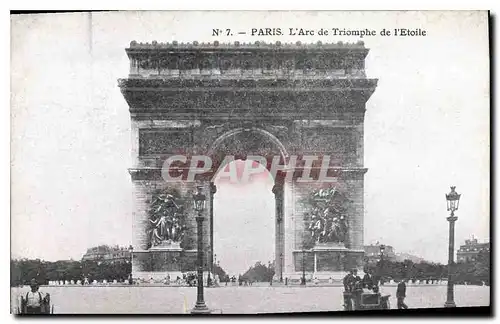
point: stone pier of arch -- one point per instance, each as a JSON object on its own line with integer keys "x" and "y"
{"x": 240, "y": 100}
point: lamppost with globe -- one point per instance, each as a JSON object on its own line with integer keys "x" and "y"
{"x": 131, "y": 251}
{"x": 199, "y": 200}
{"x": 215, "y": 269}
{"x": 281, "y": 267}
{"x": 209, "y": 266}
{"x": 452, "y": 200}
{"x": 303, "y": 281}
{"x": 381, "y": 264}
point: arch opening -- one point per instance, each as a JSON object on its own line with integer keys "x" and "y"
{"x": 244, "y": 230}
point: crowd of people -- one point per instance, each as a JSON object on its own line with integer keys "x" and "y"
{"x": 187, "y": 279}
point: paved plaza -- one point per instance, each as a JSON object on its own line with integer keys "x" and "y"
{"x": 249, "y": 300}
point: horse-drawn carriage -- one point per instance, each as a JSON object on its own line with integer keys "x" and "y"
{"x": 45, "y": 306}
{"x": 40, "y": 302}
{"x": 364, "y": 299}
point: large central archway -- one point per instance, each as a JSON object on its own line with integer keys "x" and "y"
{"x": 244, "y": 219}
{"x": 252, "y": 151}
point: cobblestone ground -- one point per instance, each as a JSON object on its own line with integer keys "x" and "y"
{"x": 100, "y": 300}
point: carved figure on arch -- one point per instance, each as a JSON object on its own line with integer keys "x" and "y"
{"x": 326, "y": 220}
{"x": 166, "y": 220}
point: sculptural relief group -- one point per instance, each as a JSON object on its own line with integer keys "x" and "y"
{"x": 166, "y": 220}
{"x": 326, "y": 218}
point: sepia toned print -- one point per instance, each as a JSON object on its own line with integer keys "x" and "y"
{"x": 232, "y": 173}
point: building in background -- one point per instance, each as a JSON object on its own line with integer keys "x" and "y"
{"x": 105, "y": 253}
{"x": 373, "y": 253}
{"x": 401, "y": 257}
{"x": 471, "y": 250}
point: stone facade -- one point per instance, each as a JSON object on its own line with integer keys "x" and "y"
{"x": 272, "y": 100}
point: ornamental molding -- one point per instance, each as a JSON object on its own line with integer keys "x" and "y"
{"x": 243, "y": 45}
{"x": 138, "y": 174}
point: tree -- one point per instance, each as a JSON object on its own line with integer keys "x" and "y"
{"x": 259, "y": 272}
{"x": 409, "y": 270}
{"x": 223, "y": 276}
{"x": 482, "y": 267}
{"x": 23, "y": 270}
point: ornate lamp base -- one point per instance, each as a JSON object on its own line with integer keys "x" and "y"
{"x": 200, "y": 308}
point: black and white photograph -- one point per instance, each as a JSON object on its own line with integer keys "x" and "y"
{"x": 249, "y": 162}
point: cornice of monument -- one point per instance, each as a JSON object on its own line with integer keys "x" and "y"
{"x": 151, "y": 173}
{"x": 258, "y": 60}
{"x": 228, "y": 78}
{"x": 230, "y": 84}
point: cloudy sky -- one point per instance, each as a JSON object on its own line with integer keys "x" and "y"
{"x": 426, "y": 128}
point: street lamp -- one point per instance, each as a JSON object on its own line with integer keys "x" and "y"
{"x": 199, "y": 200}
{"x": 381, "y": 267}
{"x": 281, "y": 267}
{"x": 130, "y": 250}
{"x": 452, "y": 200}
{"x": 382, "y": 250}
{"x": 209, "y": 266}
{"x": 213, "y": 265}
{"x": 303, "y": 282}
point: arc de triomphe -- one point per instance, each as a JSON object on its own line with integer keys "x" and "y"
{"x": 269, "y": 100}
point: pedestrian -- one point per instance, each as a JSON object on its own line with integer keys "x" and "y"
{"x": 368, "y": 280}
{"x": 348, "y": 279}
{"x": 355, "y": 274}
{"x": 35, "y": 300}
{"x": 348, "y": 282}
{"x": 401, "y": 294}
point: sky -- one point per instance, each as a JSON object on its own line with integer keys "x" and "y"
{"x": 426, "y": 128}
